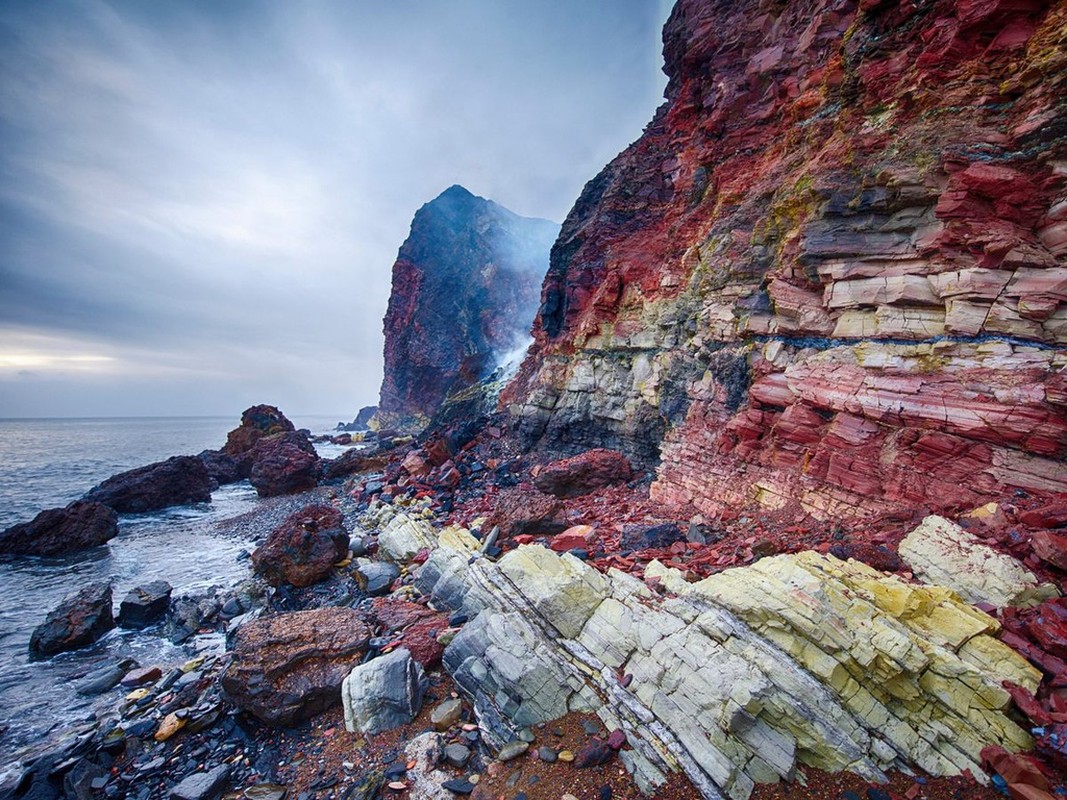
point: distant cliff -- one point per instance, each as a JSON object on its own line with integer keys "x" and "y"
{"x": 466, "y": 286}
{"x": 832, "y": 273}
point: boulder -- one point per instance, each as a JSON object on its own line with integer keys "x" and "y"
{"x": 221, "y": 467}
{"x": 942, "y": 553}
{"x": 144, "y": 605}
{"x": 383, "y": 693}
{"x": 643, "y": 537}
{"x": 303, "y": 548}
{"x": 289, "y": 667}
{"x": 376, "y": 577}
{"x": 257, "y": 422}
{"x": 523, "y": 510}
{"x": 351, "y": 462}
{"x": 283, "y": 463}
{"x": 179, "y": 480}
{"x": 79, "y": 620}
{"x": 583, "y": 473}
{"x": 80, "y": 525}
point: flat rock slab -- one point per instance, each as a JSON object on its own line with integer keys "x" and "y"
{"x": 202, "y": 785}
{"x": 289, "y": 667}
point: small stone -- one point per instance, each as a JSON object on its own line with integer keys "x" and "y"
{"x": 566, "y": 755}
{"x": 604, "y": 793}
{"x": 616, "y": 739}
{"x": 142, "y": 677}
{"x": 591, "y": 727}
{"x": 526, "y": 735}
{"x": 547, "y": 754}
{"x": 458, "y": 786}
{"x": 512, "y": 750}
{"x": 446, "y": 714}
{"x": 170, "y": 725}
{"x": 265, "y": 791}
{"x": 397, "y": 786}
{"x": 568, "y": 796}
{"x": 457, "y": 755}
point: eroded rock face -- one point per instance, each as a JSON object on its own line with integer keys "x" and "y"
{"x": 179, "y": 480}
{"x": 256, "y": 423}
{"x": 797, "y": 660}
{"x": 465, "y": 289}
{"x": 830, "y": 274}
{"x": 79, "y": 620}
{"x": 80, "y": 525}
{"x": 303, "y": 548}
{"x": 289, "y": 667}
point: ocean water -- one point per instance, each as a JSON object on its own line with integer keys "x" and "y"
{"x": 48, "y": 463}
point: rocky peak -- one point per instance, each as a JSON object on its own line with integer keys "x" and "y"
{"x": 465, "y": 291}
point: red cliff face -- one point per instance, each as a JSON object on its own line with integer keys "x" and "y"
{"x": 465, "y": 291}
{"x": 832, "y": 273}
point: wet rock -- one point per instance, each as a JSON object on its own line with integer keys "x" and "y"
{"x": 640, "y": 537}
{"x": 942, "y": 553}
{"x": 107, "y": 677}
{"x": 179, "y": 480}
{"x": 581, "y": 474}
{"x": 383, "y": 693}
{"x": 289, "y": 667}
{"x": 80, "y": 525}
{"x": 303, "y": 548}
{"x": 222, "y": 468}
{"x": 283, "y": 463}
{"x": 144, "y": 605}
{"x": 79, "y": 620}
{"x": 141, "y": 677}
{"x": 202, "y": 785}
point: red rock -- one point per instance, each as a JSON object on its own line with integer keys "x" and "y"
{"x": 141, "y": 677}
{"x": 521, "y": 510}
{"x": 577, "y": 537}
{"x": 1053, "y": 515}
{"x": 257, "y": 422}
{"x": 877, "y": 556}
{"x": 420, "y": 639}
{"x": 1028, "y": 704}
{"x": 594, "y": 753}
{"x": 395, "y": 613}
{"x": 179, "y": 480}
{"x": 283, "y": 463}
{"x": 62, "y": 530}
{"x": 303, "y": 548}
{"x": 1014, "y": 768}
{"x": 1051, "y": 547}
{"x": 616, "y": 739}
{"x": 581, "y": 474}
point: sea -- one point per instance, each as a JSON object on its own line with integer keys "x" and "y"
{"x": 47, "y": 463}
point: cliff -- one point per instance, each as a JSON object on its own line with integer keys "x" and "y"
{"x": 465, "y": 290}
{"x": 831, "y": 276}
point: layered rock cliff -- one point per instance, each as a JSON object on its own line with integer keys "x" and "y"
{"x": 831, "y": 276}
{"x": 465, "y": 290}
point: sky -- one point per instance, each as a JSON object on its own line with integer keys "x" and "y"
{"x": 200, "y": 202}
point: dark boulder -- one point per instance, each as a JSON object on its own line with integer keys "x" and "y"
{"x": 303, "y": 549}
{"x": 144, "y": 605}
{"x": 284, "y": 463}
{"x": 80, "y": 525}
{"x": 79, "y": 620}
{"x": 642, "y": 537}
{"x": 873, "y": 555}
{"x": 289, "y": 667}
{"x": 581, "y": 474}
{"x": 179, "y": 480}
{"x": 222, "y": 468}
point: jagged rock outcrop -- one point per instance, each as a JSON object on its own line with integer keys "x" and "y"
{"x": 179, "y": 480}
{"x": 831, "y": 276}
{"x": 77, "y": 526}
{"x": 738, "y": 679}
{"x": 465, "y": 289}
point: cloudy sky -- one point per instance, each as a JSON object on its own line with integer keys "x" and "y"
{"x": 201, "y": 201}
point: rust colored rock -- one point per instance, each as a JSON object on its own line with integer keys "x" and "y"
{"x": 394, "y": 613}
{"x": 583, "y": 473}
{"x": 521, "y": 510}
{"x": 1014, "y": 768}
{"x": 576, "y": 538}
{"x": 289, "y": 667}
{"x": 352, "y": 462}
{"x": 179, "y": 480}
{"x": 1051, "y": 547}
{"x": 1028, "y": 704}
{"x": 303, "y": 548}
{"x": 594, "y": 753}
{"x": 1053, "y": 515}
{"x": 79, "y": 620}
{"x": 80, "y": 525}
{"x": 283, "y": 463}
{"x": 420, "y": 639}
{"x": 256, "y": 423}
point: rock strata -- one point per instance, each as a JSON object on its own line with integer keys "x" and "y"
{"x": 78, "y": 526}
{"x": 737, "y": 679}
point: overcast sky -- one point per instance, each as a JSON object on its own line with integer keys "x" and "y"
{"x": 201, "y": 202}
